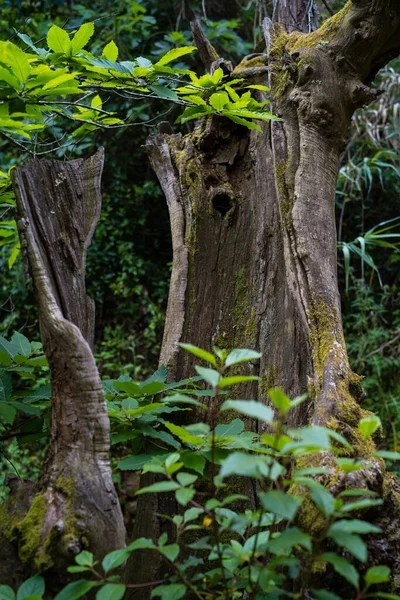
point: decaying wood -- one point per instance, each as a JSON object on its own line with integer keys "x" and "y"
{"x": 76, "y": 505}
{"x": 257, "y": 225}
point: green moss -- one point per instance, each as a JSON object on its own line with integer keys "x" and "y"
{"x": 256, "y": 61}
{"x": 268, "y": 381}
{"x": 282, "y": 42}
{"x": 286, "y": 202}
{"x": 32, "y": 545}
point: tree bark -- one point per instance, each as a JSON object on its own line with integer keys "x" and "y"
{"x": 75, "y": 505}
{"x": 254, "y": 239}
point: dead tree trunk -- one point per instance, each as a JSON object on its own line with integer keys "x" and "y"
{"x": 253, "y": 229}
{"x": 74, "y": 505}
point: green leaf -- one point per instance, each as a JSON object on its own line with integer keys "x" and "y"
{"x": 387, "y": 596}
{"x": 110, "y": 51}
{"x": 210, "y": 376}
{"x": 173, "y": 591}
{"x": 280, "y": 400}
{"x": 369, "y": 425}
{"x": 152, "y": 388}
{"x": 8, "y": 347}
{"x": 250, "y": 465}
{"x": 186, "y": 478}
{"x": 285, "y": 542}
{"x": 200, "y": 353}
{"x": 279, "y": 503}
{"x": 14, "y": 255}
{"x": 219, "y": 100}
{"x": 171, "y": 552}
{"x": 263, "y": 88}
{"x": 17, "y": 60}
{"x": 76, "y": 569}
{"x": 378, "y": 574}
{"x": 351, "y": 543}
{"x": 174, "y": 54}
{"x": 250, "y": 408}
{"x": 164, "y": 92}
{"x": 34, "y": 586}
{"x": 134, "y": 463}
{"x": 323, "y": 500}
{"x": 388, "y": 455}
{"x": 234, "y": 380}
{"x": 241, "y": 355}
{"x": 57, "y": 81}
{"x": 343, "y": 567}
{"x": 141, "y": 544}
{"x": 6, "y": 76}
{"x": 111, "y": 591}
{"x": 324, "y": 595}
{"x": 7, "y": 412}
{"x": 129, "y": 387}
{"x": 81, "y": 37}
{"x": 160, "y": 486}
{"x": 85, "y": 559}
{"x": 184, "y": 495}
{"x": 184, "y": 435}
{"x": 160, "y": 375}
{"x": 194, "y": 461}
{"x": 353, "y": 526}
{"x": 22, "y": 344}
{"x": 6, "y": 593}
{"x": 58, "y": 41}
{"x": 75, "y": 590}
{"x": 228, "y": 429}
{"x": 115, "y": 559}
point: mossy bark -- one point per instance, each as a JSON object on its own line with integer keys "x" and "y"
{"x": 74, "y": 504}
{"x": 253, "y": 225}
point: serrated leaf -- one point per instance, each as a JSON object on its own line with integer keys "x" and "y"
{"x": 174, "y": 54}
{"x": 21, "y": 343}
{"x": 164, "y": 92}
{"x": 58, "y": 40}
{"x": 9, "y": 78}
{"x": 110, "y": 51}
{"x": 219, "y": 100}
{"x": 81, "y": 37}
{"x": 57, "y": 81}
{"x": 16, "y": 59}
{"x": 184, "y": 435}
